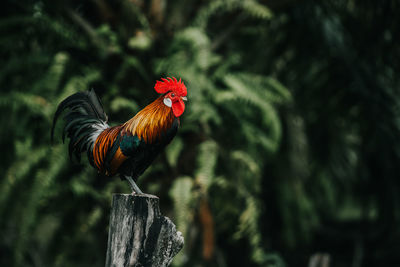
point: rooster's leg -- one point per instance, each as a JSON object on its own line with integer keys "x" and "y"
{"x": 133, "y": 185}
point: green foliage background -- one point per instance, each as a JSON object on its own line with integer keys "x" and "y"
{"x": 289, "y": 144}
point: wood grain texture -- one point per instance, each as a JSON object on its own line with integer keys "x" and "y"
{"x": 139, "y": 235}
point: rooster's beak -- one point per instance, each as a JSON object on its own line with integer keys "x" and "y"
{"x": 184, "y": 98}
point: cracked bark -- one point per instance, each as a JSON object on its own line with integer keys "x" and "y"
{"x": 139, "y": 235}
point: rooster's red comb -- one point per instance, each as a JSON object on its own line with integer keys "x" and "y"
{"x": 171, "y": 84}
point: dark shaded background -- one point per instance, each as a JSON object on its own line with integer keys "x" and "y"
{"x": 289, "y": 148}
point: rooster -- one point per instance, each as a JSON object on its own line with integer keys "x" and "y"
{"x": 127, "y": 149}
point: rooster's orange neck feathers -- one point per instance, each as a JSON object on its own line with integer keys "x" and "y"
{"x": 150, "y": 123}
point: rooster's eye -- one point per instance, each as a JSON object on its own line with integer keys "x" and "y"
{"x": 173, "y": 95}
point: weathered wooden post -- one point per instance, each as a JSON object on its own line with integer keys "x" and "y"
{"x": 139, "y": 235}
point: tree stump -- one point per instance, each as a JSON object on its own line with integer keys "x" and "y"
{"x": 139, "y": 235}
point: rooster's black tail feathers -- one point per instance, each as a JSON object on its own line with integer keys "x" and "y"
{"x": 84, "y": 121}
